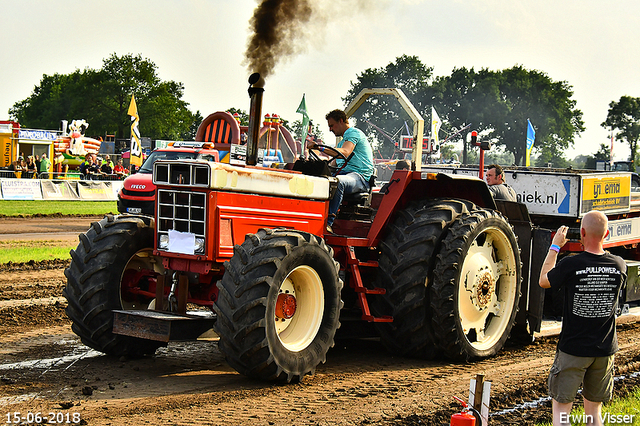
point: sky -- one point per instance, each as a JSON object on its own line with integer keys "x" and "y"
{"x": 590, "y": 44}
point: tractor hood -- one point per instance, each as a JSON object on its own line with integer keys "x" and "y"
{"x": 225, "y": 177}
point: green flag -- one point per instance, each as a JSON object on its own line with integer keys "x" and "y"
{"x": 302, "y": 109}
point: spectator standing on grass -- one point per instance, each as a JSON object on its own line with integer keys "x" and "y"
{"x": 84, "y": 166}
{"x": 31, "y": 167}
{"x": 106, "y": 167}
{"x": 21, "y": 166}
{"x": 591, "y": 282}
{"x": 16, "y": 166}
{"x": 95, "y": 168}
{"x": 119, "y": 168}
{"x": 45, "y": 165}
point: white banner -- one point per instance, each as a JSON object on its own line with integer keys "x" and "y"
{"x": 546, "y": 193}
{"x": 54, "y": 189}
{"x": 21, "y": 189}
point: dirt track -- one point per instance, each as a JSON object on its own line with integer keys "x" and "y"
{"x": 45, "y": 368}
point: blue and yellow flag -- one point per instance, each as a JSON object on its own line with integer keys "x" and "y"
{"x": 135, "y": 155}
{"x": 531, "y": 136}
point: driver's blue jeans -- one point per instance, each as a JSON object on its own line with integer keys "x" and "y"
{"x": 349, "y": 183}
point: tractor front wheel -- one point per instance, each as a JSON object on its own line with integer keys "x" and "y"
{"x": 279, "y": 304}
{"x": 113, "y": 268}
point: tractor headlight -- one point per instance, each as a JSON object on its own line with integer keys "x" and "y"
{"x": 199, "y": 247}
{"x": 163, "y": 242}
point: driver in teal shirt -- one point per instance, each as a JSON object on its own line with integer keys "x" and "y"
{"x": 354, "y": 176}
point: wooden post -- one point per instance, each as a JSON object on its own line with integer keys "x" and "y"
{"x": 477, "y": 400}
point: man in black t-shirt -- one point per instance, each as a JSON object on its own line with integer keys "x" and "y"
{"x": 591, "y": 282}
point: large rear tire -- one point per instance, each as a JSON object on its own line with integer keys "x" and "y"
{"x": 406, "y": 270}
{"x": 112, "y": 254}
{"x": 278, "y": 305}
{"x": 476, "y": 287}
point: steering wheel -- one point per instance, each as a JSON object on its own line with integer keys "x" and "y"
{"x": 333, "y": 155}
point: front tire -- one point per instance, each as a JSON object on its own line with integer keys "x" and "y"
{"x": 114, "y": 255}
{"x": 476, "y": 289}
{"x": 279, "y": 304}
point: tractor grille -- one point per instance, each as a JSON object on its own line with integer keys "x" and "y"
{"x": 182, "y": 211}
{"x": 182, "y": 173}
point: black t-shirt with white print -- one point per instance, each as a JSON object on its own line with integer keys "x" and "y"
{"x": 591, "y": 285}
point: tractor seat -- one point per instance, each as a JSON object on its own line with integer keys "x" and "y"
{"x": 361, "y": 199}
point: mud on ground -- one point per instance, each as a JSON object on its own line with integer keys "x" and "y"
{"x": 44, "y": 367}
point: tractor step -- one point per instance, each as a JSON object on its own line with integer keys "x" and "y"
{"x": 353, "y": 267}
{"x": 365, "y": 290}
{"x": 383, "y": 318}
{"x": 162, "y": 326}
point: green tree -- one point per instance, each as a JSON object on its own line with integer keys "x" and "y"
{"x": 244, "y": 116}
{"x": 547, "y": 103}
{"x": 496, "y": 104}
{"x": 190, "y": 133}
{"x": 579, "y": 161}
{"x": 624, "y": 116}
{"x": 504, "y": 158}
{"x": 102, "y": 97}
{"x": 50, "y": 101}
{"x": 551, "y": 155}
{"x": 407, "y": 73}
{"x": 467, "y": 97}
{"x": 601, "y": 155}
{"x": 296, "y": 130}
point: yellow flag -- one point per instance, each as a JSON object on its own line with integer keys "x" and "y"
{"x": 135, "y": 154}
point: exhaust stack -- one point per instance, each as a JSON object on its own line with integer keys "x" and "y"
{"x": 256, "y": 88}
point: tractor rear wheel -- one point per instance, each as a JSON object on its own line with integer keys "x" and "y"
{"x": 278, "y": 305}
{"x": 111, "y": 269}
{"x": 406, "y": 264}
{"x": 476, "y": 287}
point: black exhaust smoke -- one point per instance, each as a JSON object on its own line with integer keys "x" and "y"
{"x": 280, "y": 30}
{"x": 277, "y": 26}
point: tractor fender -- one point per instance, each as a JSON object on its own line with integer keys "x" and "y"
{"x": 406, "y": 186}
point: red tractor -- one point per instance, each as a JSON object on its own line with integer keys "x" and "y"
{"x": 430, "y": 260}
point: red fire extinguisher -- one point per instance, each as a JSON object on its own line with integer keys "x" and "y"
{"x": 465, "y": 418}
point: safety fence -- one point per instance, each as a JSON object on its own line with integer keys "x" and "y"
{"x": 59, "y": 189}
{"x": 10, "y": 174}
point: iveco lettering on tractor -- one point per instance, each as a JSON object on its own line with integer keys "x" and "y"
{"x": 431, "y": 261}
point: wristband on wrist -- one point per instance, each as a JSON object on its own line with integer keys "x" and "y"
{"x": 555, "y": 248}
{"x": 321, "y": 149}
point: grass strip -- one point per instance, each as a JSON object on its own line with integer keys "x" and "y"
{"x": 613, "y": 413}
{"x": 23, "y": 208}
{"x": 25, "y": 251}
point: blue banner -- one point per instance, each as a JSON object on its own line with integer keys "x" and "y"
{"x": 38, "y": 135}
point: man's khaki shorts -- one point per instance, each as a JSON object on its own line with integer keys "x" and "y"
{"x": 568, "y": 372}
